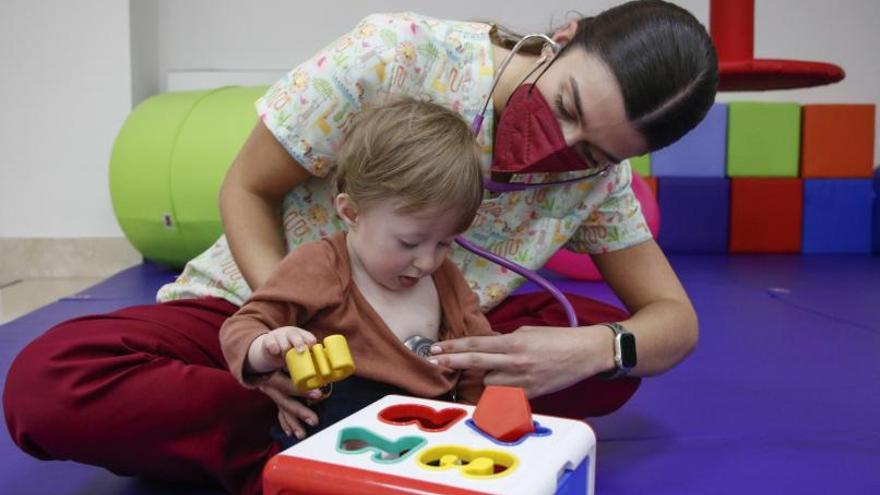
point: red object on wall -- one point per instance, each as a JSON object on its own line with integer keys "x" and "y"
{"x": 837, "y": 141}
{"x": 766, "y": 215}
{"x": 732, "y": 26}
{"x": 504, "y": 413}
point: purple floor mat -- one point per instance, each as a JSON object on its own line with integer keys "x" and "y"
{"x": 781, "y": 395}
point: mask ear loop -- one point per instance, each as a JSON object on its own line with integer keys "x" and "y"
{"x": 557, "y": 52}
{"x": 554, "y": 46}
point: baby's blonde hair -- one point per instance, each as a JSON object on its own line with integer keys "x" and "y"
{"x": 419, "y": 153}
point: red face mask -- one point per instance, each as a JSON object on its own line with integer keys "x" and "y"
{"x": 528, "y": 138}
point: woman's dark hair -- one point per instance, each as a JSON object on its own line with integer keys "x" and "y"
{"x": 663, "y": 60}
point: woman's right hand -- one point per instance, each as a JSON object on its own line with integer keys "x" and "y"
{"x": 250, "y": 202}
{"x": 291, "y": 410}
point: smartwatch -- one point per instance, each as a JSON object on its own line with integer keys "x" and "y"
{"x": 624, "y": 352}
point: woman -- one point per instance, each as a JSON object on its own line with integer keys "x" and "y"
{"x": 144, "y": 390}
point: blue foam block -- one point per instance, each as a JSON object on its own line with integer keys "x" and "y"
{"x": 837, "y": 216}
{"x": 695, "y": 214}
{"x": 700, "y": 153}
{"x": 875, "y": 221}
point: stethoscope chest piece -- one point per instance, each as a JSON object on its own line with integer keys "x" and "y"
{"x": 421, "y": 346}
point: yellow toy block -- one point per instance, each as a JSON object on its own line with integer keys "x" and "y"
{"x": 321, "y": 365}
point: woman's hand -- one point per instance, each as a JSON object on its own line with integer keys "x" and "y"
{"x": 539, "y": 359}
{"x": 266, "y": 353}
{"x": 291, "y": 410}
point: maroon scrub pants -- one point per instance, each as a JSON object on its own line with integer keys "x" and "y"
{"x": 145, "y": 391}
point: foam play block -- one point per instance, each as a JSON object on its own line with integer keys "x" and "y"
{"x": 641, "y": 164}
{"x": 700, "y": 153}
{"x": 763, "y": 139}
{"x": 695, "y": 214}
{"x": 875, "y": 220}
{"x": 504, "y": 413}
{"x": 766, "y": 215}
{"x": 837, "y": 141}
{"x": 837, "y": 215}
{"x": 651, "y": 182}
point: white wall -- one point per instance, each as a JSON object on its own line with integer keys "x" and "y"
{"x": 279, "y": 34}
{"x": 65, "y": 89}
{"x": 144, "y": 22}
{"x": 80, "y": 55}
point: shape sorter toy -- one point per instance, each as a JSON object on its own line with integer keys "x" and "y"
{"x": 411, "y": 445}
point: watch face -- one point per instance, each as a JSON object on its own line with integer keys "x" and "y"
{"x": 628, "y": 350}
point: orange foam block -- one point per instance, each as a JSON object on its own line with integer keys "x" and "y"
{"x": 504, "y": 413}
{"x": 837, "y": 141}
{"x": 652, "y": 184}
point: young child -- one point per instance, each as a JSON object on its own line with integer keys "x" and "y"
{"x": 408, "y": 180}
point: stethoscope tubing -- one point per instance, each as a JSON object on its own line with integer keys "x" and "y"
{"x": 507, "y": 187}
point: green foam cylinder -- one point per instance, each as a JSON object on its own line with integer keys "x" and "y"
{"x": 167, "y": 164}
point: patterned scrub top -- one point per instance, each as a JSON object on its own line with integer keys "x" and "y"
{"x": 449, "y": 63}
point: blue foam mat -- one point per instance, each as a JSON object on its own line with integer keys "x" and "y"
{"x": 781, "y": 395}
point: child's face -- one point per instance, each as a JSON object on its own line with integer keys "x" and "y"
{"x": 397, "y": 249}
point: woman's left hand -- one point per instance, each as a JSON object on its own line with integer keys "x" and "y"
{"x": 541, "y": 360}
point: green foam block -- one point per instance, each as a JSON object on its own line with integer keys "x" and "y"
{"x": 641, "y": 164}
{"x": 763, "y": 139}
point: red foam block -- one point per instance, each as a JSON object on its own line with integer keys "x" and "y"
{"x": 766, "y": 215}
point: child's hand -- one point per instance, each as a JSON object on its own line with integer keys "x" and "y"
{"x": 279, "y": 341}
{"x": 267, "y": 351}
